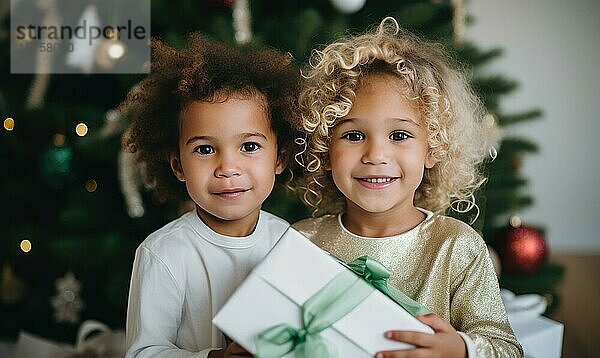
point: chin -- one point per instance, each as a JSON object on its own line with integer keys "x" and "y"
{"x": 229, "y": 216}
{"x": 374, "y": 208}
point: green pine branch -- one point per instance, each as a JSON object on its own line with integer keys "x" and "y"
{"x": 506, "y": 120}
{"x": 511, "y": 146}
{"x": 490, "y": 88}
{"x": 476, "y": 57}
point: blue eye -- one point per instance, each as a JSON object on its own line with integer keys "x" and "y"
{"x": 400, "y": 136}
{"x": 250, "y": 147}
{"x": 354, "y": 136}
{"x": 204, "y": 149}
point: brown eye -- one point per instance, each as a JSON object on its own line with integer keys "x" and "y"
{"x": 399, "y": 136}
{"x": 354, "y": 136}
{"x": 204, "y": 149}
{"x": 250, "y": 147}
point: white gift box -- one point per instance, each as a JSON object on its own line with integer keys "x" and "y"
{"x": 294, "y": 271}
{"x": 106, "y": 344}
{"x": 540, "y": 337}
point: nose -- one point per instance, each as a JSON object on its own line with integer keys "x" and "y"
{"x": 228, "y": 166}
{"x": 375, "y": 152}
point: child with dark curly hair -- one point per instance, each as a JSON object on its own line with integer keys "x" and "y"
{"x": 210, "y": 123}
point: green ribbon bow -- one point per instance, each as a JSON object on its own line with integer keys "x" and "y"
{"x": 332, "y": 302}
{"x": 377, "y": 275}
{"x": 338, "y": 297}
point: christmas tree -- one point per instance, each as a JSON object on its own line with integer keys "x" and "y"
{"x": 74, "y": 209}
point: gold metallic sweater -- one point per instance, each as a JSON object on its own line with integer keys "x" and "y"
{"x": 441, "y": 263}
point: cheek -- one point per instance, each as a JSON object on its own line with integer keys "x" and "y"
{"x": 414, "y": 164}
{"x": 337, "y": 157}
{"x": 416, "y": 155}
{"x": 417, "y": 159}
{"x": 198, "y": 172}
{"x": 264, "y": 170}
{"x": 341, "y": 170}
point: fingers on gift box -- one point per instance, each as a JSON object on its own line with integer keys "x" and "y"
{"x": 300, "y": 294}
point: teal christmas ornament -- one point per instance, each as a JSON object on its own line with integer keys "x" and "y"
{"x": 56, "y": 163}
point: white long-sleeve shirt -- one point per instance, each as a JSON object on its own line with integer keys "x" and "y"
{"x": 182, "y": 275}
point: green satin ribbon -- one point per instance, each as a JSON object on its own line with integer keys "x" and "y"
{"x": 377, "y": 275}
{"x": 337, "y": 298}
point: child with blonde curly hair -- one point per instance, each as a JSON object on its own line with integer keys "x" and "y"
{"x": 394, "y": 138}
{"x": 211, "y": 123}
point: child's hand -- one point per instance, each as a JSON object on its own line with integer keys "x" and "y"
{"x": 446, "y": 342}
{"x": 232, "y": 350}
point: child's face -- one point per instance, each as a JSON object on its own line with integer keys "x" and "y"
{"x": 379, "y": 151}
{"x": 227, "y": 158}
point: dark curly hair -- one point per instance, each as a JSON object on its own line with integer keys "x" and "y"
{"x": 204, "y": 71}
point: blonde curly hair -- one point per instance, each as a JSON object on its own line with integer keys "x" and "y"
{"x": 458, "y": 139}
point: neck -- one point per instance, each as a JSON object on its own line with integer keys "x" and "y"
{"x": 381, "y": 224}
{"x": 234, "y": 228}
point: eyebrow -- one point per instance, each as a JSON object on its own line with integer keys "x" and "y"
{"x": 406, "y": 120}
{"x": 244, "y": 135}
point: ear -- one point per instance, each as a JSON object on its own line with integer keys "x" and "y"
{"x": 176, "y": 167}
{"x": 282, "y": 159}
{"x": 429, "y": 161}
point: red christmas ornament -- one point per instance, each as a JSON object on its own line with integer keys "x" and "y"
{"x": 524, "y": 250}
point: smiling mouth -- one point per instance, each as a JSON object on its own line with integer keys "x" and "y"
{"x": 377, "y": 182}
{"x": 231, "y": 193}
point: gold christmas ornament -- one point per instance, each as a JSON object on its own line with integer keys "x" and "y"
{"x": 59, "y": 139}
{"x": 91, "y": 186}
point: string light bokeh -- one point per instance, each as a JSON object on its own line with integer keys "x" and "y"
{"x": 9, "y": 124}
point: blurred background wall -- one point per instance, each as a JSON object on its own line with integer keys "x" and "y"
{"x": 552, "y": 48}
